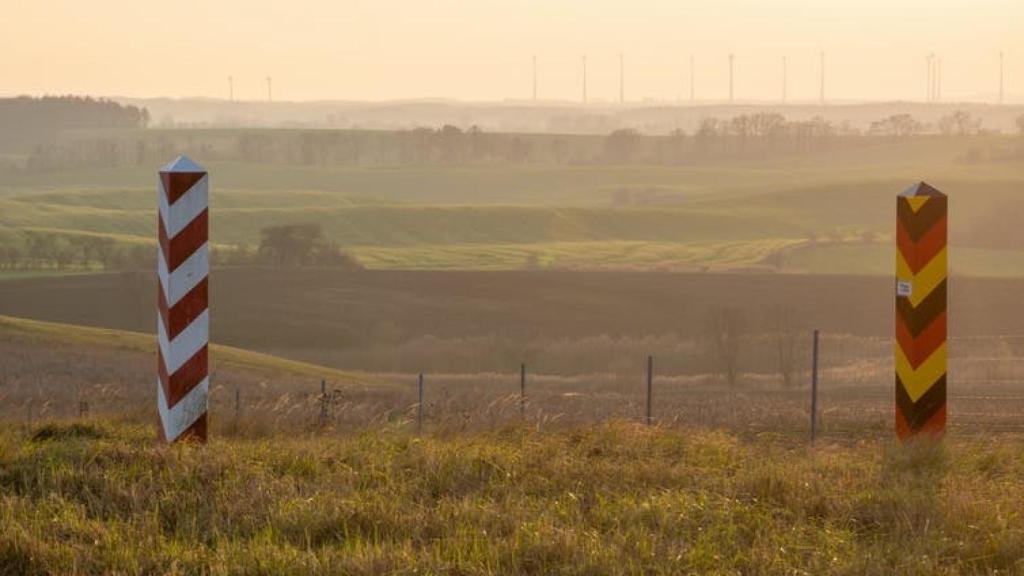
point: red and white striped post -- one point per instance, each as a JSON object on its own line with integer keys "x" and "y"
{"x": 183, "y": 322}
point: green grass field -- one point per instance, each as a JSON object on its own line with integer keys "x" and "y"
{"x": 628, "y": 217}
{"x": 226, "y": 356}
{"x": 593, "y": 255}
{"x": 617, "y": 498}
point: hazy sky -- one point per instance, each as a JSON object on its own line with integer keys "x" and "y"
{"x": 481, "y": 49}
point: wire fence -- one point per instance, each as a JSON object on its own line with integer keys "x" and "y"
{"x": 855, "y": 392}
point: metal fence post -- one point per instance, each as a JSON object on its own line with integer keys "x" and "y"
{"x": 419, "y": 408}
{"x": 323, "y": 402}
{"x": 522, "y": 390}
{"x": 650, "y": 381}
{"x": 814, "y": 389}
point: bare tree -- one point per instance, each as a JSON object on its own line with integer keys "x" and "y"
{"x": 42, "y": 249}
{"x": 898, "y": 126}
{"x": 65, "y": 254}
{"x": 95, "y": 249}
{"x": 302, "y": 245}
{"x": 725, "y": 329}
{"x": 291, "y": 244}
{"x": 784, "y": 330}
{"x": 85, "y": 252}
{"x": 104, "y": 249}
{"x": 453, "y": 143}
{"x": 11, "y": 256}
{"x": 622, "y": 145}
{"x": 959, "y": 123}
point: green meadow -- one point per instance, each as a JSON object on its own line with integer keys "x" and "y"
{"x": 816, "y": 212}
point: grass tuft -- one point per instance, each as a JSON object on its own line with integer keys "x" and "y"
{"x": 67, "y": 431}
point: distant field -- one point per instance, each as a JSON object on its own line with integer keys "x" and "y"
{"x": 720, "y": 216}
{"x": 942, "y": 160}
{"x": 357, "y": 226}
{"x": 580, "y": 255}
{"x": 879, "y": 259}
{"x": 483, "y": 321}
{"x": 263, "y": 308}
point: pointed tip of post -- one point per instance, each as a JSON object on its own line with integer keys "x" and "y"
{"x": 921, "y": 188}
{"x": 182, "y": 164}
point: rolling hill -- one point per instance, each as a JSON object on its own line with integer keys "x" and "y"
{"x": 813, "y": 213}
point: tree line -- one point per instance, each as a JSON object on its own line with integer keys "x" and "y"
{"x": 33, "y": 250}
{"x": 30, "y": 121}
{"x": 745, "y": 136}
{"x": 289, "y": 245}
{"x": 280, "y": 246}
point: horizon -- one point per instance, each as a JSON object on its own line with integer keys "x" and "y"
{"x": 482, "y": 52}
{"x": 542, "y": 103}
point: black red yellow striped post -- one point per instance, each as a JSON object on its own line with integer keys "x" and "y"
{"x": 921, "y": 275}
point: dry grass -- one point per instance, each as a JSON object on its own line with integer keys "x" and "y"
{"x": 52, "y": 372}
{"x": 614, "y": 498}
{"x": 55, "y": 372}
{"x": 726, "y": 482}
{"x": 222, "y": 356}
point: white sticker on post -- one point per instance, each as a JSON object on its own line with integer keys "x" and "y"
{"x": 904, "y": 288}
